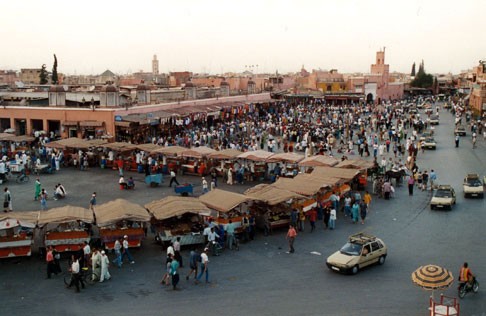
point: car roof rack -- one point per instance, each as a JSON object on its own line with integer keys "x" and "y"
{"x": 361, "y": 238}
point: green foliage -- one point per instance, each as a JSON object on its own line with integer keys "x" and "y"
{"x": 43, "y": 76}
{"x": 413, "y": 70}
{"x": 422, "y": 79}
{"x": 55, "y": 79}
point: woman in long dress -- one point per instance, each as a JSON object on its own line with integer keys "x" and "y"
{"x": 230, "y": 176}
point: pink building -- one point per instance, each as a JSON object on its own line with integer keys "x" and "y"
{"x": 377, "y": 86}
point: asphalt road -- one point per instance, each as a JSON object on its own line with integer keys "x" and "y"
{"x": 261, "y": 279}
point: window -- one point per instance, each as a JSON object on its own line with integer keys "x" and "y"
{"x": 376, "y": 245}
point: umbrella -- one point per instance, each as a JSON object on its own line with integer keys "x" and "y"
{"x": 432, "y": 277}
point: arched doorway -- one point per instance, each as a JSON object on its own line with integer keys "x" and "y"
{"x": 369, "y": 98}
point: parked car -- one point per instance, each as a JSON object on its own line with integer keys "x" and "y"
{"x": 444, "y": 197}
{"x": 426, "y": 134}
{"x": 360, "y": 251}
{"x": 460, "y": 130}
{"x": 473, "y": 187}
{"x": 429, "y": 143}
{"x": 434, "y": 120}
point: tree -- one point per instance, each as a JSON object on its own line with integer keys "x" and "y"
{"x": 55, "y": 79}
{"x": 422, "y": 79}
{"x": 413, "y": 70}
{"x": 43, "y": 76}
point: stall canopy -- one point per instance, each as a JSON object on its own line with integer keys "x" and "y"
{"x": 359, "y": 164}
{"x": 257, "y": 155}
{"x": 65, "y": 214}
{"x": 14, "y": 219}
{"x": 198, "y": 152}
{"x": 225, "y": 154}
{"x": 21, "y": 138}
{"x": 75, "y": 142}
{"x": 319, "y": 161}
{"x": 119, "y": 146}
{"x": 175, "y": 206}
{"x": 304, "y": 185}
{"x": 147, "y": 147}
{"x": 169, "y": 150}
{"x": 326, "y": 172}
{"x": 271, "y": 194}
{"x": 118, "y": 210}
{"x": 224, "y": 201}
{"x": 286, "y": 157}
{"x": 6, "y": 136}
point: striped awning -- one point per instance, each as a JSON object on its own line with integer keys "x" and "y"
{"x": 432, "y": 277}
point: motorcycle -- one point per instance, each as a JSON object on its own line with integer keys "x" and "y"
{"x": 468, "y": 287}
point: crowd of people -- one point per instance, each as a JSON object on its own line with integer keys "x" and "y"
{"x": 388, "y": 133}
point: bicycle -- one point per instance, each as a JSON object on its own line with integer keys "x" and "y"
{"x": 88, "y": 277}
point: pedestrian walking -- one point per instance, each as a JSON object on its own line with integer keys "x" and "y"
{"x": 347, "y": 205}
{"x": 432, "y": 178}
{"x": 174, "y": 273}
{"x": 194, "y": 259}
{"x": 37, "y": 187}
{"x": 291, "y": 234}
{"x": 355, "y": 211}
{"x": 118, "y": 255}
{"x": 96, "y": 263}
{"x": 7, "y": 200}
{"x": 166, "y": 278}
{"x": 51, "y": 267}
{"x": 204, "y": 266}
{"x": 367, "y": 199}
{"x": 126, "y": 251}
{"x": 92, "y": 201}
{"x": 312, "y": 218}
{"x": 363, "y": 211}
{"x": 204, "y": 186}
{"x": 425, "y": 180}
{"x": 327, "y": 217}
{"x": 43, "y": 199}
{"x": 75, "y": 274}
{"x": 177, "y": 251}
{"x": 105, "y": 263}
{"x": 411, "y": 184}
{"x": 230, "y": 176}
{"x": 173, "y": 178}
{"x": 457, "y": 140}
{"x": 332, "y": 218}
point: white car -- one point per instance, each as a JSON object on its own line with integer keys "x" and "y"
{"x": 360, "y": 251}
{"x": 473, "y": 187}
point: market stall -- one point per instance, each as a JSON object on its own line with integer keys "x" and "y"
{"x": 259, "y": 157}
{"x": 224, "y": 159}
{"x": 228, "y": 206}
{"x": 175, "y": 216}
{"x": 66, "y": 228}
{"x": 118, "y": 218}
{"x": 195, "y": 160}
{"x": 289, "y": 161}
{"x": 318, "y": 161}
{"x": 358, "y": 164}
{"x": 171, "y": 157}
{"x": 17, "y": 233}
{"x": 121, "y": 148}
{"x": 274, "y": 205}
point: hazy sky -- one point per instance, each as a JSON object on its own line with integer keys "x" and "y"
{"x": 89, "y": 37}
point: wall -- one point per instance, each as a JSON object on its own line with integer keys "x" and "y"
{"x": 58, "y": 114}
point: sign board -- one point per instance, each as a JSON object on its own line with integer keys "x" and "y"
{"x": 150, "y": 115}
{"x": 118, "y": 118}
